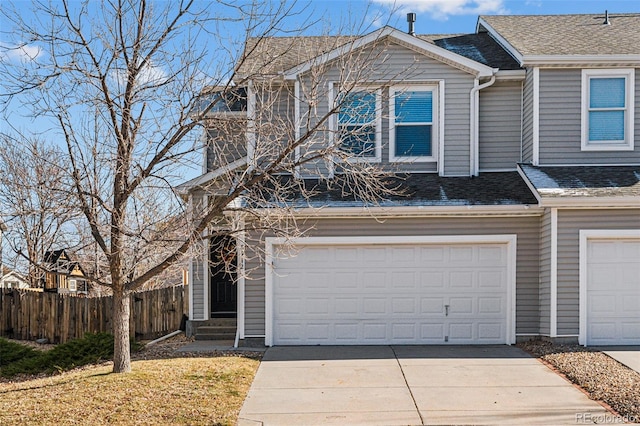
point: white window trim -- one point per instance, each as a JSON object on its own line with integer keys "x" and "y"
{"x": 628, "y": 144}
{"x": 73, "y": 285}
{"x": 334, "y": 125}
{"x": 435, "y": 123}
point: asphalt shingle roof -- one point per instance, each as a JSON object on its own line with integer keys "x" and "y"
{"x": 569, "y": 34}
{"x": 480, "y": 48}
{"x": 422, "y": 189}
{"x": 584, "y": 181}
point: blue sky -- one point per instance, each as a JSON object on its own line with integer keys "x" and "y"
{"x": 460, "y": 16}
{"x": 433, "y": 17}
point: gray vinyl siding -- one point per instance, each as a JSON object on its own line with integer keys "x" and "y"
{"x": 560, "y": 122}
{"x": 526, "y": 228}
{"x": 570, "y": 222}
{"x": 545, "y": 273}
{"x": 400, "y": 65}
{"x": 226, "y": 142}
{"x": 500, "y": 126}
{"x": 274, "y": 120}
{"x": 198, "y": 281}
{"x": 527, "y": 118}
{"x": 197, "y": 277}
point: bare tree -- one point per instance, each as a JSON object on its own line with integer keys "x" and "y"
{"x": 34, "y": 201}
{"x": 133, "y": 85}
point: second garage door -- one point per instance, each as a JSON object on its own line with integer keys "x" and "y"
{"x": 392, "y": 294}
{"x": 613, "y": 292}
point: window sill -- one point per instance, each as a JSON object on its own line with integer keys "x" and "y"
{"x": 413, "y": 159}
{"x": 607, "y": 147}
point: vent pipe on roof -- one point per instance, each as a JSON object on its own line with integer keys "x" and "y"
{"x": 606, "y": 18}
{"x": 411, "y": 19}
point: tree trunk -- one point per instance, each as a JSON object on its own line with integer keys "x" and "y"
{"x": 121, "y": 313}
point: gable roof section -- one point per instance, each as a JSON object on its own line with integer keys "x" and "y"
{"x": 415, "y": 43}
{"x": 579, "y": 39}
{"x": 584, "y": 185}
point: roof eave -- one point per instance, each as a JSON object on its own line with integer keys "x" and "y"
{"x": 421, "y": 211}
{"x": 185, "y": 188}
{"x": 624, "y": 201}
{"x": 581, "y": 60}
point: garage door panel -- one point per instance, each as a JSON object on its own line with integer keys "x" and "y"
{"x": 432, "y": 280}
{"x": 613, "y": 291}
{"x": 392, "y": 294}
{"x": 403, "y": 280}
{"x": 432, "y": 306}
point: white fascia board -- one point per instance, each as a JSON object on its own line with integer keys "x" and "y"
{"x": 580, "y": 60}
{"x": 481, "y": 70}
{"x": 501, "y": 40}
{"x": 418, "y": 211}
{"x": 511, "y": 75}
{"x": 628, "y": 201}
{"x": 529, "y": 184}
{"x": 184, "y": 188}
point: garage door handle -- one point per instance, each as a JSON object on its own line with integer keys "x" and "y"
{"x": 446, "y": 310}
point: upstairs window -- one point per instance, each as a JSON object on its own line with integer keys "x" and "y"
{"x": 359, "y": 124}
{"x": 607, "y": 109}
{"x": 413, "y": 123}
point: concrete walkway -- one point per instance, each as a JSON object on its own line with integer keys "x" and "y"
{"x": 399, "y": 385}
{"x": 627, "y": 355}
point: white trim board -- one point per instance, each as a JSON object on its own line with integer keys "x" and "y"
{"x": 510, "y": 239}
{"x": 585, "y": 236}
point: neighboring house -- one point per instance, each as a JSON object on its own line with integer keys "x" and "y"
{"x": 63, "y": 275}
{"x": 12, "y": 279}
{"x": 522, "y": 150}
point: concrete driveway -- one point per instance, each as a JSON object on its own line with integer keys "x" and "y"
{"x": 400, "y": 385}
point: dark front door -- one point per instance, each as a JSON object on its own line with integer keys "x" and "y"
{"x": 222, "y": 268}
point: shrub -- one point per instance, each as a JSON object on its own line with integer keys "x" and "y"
{"x": 91, "y": 349}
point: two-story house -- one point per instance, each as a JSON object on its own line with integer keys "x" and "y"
{"x": 63, "y": 275}
{"x": 519, "y": 150}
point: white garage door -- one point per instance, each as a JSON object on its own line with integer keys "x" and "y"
{"x": 383, "y": 294}
{"x": 613, "y": 292}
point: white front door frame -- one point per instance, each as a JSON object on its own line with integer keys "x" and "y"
{"x": 510, "y": 239}
{"x": 585, "y": 236}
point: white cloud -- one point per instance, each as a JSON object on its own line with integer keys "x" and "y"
{"x": 442, "y": 9}
{"x": 149, "y": 75}
{"x": 23, "y": 53}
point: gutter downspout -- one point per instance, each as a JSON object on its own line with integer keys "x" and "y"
{"x": 474, "y": 102}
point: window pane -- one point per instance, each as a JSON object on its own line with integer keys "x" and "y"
{"x": 606, "y": 125}
{"x": 358, "y": 140}
{"x": 357, "y": 107}
{"x": 414, "y": 107}
{"x": 606, "y": 92}
{"x": 413, "y": 141}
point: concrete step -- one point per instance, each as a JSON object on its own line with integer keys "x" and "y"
{"x": 219, "y": 322}
{"x": 215, "y": 336}
{"x": 216, "y": 329}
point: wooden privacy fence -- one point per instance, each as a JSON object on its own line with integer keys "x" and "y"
{"x": 31, "y": 315}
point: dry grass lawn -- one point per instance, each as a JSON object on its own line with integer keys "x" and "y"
{"x": 173, "y": 391}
